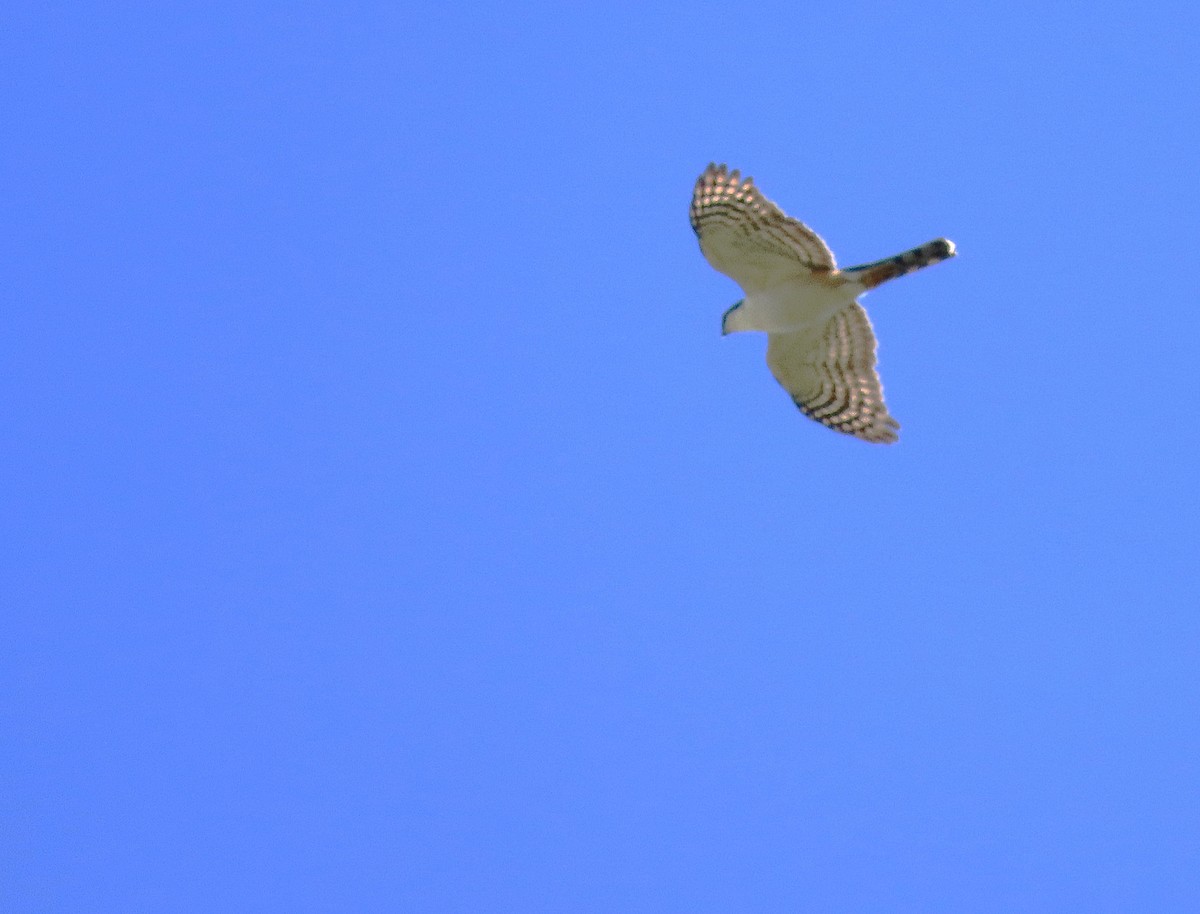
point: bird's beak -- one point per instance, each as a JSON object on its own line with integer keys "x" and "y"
{"x": 725, "y": 318}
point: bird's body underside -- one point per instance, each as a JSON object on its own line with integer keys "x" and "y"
{"x": 821, "y": 347}
{"x": 791, "y": 306}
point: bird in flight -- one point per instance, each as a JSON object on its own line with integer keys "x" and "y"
{"x": 820, "y": 345}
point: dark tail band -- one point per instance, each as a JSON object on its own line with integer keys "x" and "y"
{"x": 880, "y": 271}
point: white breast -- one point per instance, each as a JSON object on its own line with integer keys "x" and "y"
{"x": 793, "y": 306}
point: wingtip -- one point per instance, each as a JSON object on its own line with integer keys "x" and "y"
{"x": 722, "y": 172}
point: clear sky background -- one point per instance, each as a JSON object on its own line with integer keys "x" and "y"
{"x": 387, "y": 526}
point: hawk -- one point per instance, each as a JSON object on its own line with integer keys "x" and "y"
{"x": 820, "y": 346}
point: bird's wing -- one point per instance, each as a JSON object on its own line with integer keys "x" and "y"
{"x": 831, "y": 376}
{"x": 748, "y": 238}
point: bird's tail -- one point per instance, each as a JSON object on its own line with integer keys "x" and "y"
{"x": 880, "y": 271}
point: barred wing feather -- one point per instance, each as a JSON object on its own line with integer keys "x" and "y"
{"x": 750, "y": 239}
{"x": 831, "y": 376}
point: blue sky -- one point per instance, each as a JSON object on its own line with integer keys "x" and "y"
{"x": 390, "y": 528}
